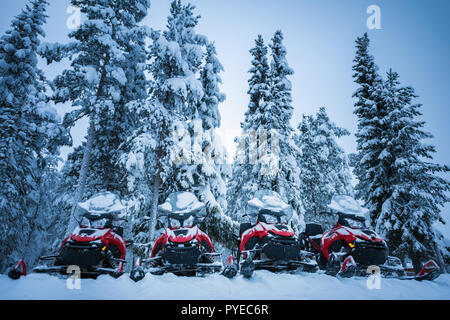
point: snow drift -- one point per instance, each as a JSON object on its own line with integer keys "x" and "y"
{"x": 263, "y": 285}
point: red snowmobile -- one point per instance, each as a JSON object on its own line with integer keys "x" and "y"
{"x": 350, "y": 248}
{"x": 182, "y": 248}
{"x": 96, "y": 246}
{"x": 269, "y": 243}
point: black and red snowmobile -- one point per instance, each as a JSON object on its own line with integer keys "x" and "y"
{"x": 96, "y": 246}
{"x": 350, "y": 248}
{"x": 182, "y": 248}
{"x": 268, "y": 242}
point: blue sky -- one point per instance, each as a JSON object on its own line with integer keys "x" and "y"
{"x": 319, "y": 37}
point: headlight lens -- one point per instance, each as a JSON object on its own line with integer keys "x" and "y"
{"x": 174, "y": 223}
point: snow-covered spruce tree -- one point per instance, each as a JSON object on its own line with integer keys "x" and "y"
{"x": 417, "y": 194}
{"x": 324, "y": 168}
{"x": 242, "y": 185}
{"x": 277, "y": 115}
{"x": 106, "y": 73}
{"x": 29, "y": 129}
{"x": 268, "y": 136}
{"x": 149, "y": 160}
{"x": 202, "y": 168}
{"x": 369, "y": 168}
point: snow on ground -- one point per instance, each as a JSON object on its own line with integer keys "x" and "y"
{"x": 263, "y": 285}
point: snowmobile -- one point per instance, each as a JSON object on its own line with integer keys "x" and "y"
{"x": 268, "y": 242}
{"x": 182, "y": 248}
{"x": 350, "y": 248}
{"x": 96, "y": 246}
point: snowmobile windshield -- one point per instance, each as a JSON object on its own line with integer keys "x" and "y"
{"x": 270, "y": 201}
{"x": 85, "y": 222}
{"x": 352, "y": 221}
{"x": 184, "y": 221}
{"x": 101, "y": 223}
{"x": 272, "y": 217}
{"x": 356, "y": 224}
{"x": 189, "y": 222}
{"x": 181, "y": 209}
{"x": 96, "y": 221}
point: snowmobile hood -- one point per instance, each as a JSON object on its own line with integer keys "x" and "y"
{"x": 88, "y": 234}
{"x": 352, "y": 234}
{"x": 182, "y": 234}
{"x": 366, "y": 234}
{"x": 279, "y": 229}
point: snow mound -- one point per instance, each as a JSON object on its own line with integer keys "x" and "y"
{"x": 104, "y": 202}
{"x": 181, "y": 202}
{"x": 270, "y": 200}
{"x": 346, "y": 204}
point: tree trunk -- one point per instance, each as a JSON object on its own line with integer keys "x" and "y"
{"x": 83, "y": 176}
{"x": 87, "y": 152}
{"x": 154, "y": 205}
{"x": 417, "y": 264}
{"x": 439, "y": 261}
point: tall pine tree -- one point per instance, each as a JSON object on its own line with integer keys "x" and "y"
{"x": 106, "y": 73}
{"x": 30, "y": 131}
{"x": 177, "y": 126}
{"x": 370, "y": 169}
{"x": 324, "y": 167}
{"x": 416, "y": 194}
{"x": 242, "y": 185}
{"x": 267, "y": 147}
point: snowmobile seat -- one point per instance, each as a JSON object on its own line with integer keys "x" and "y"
{"x": 244, "y": 227}
{"x": 313, "y": 229}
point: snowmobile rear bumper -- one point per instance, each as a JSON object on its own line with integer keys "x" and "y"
{"x": 83, "y": 256}
{"x": 276, "y": 266}
{"x": 181, "y": 255}
{"x": 278, "y": 251}
{"x": 186, "y": 270}
{"x": 370, "y": 253}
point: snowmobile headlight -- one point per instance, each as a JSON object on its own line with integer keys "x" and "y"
{"x": 351, "y": 245}
{"x": 174, "y": 223}
{"x": 284, "y": 219}
{"x": 189, "y": 222}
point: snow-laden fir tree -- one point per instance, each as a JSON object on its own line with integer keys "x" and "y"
{"x": 278, "y": 114}
{"x": 205, "y": 171}
{"x": 417, "y": 194}
{"x": 106, "y": 73}
{"x": 242, "y": 185}
{"x": 268, "y": 135}
{"x": 369, "y": 168}
{"x": 30, "y": 133}
{"x": 201, "y": 169}
{"x": 175, "y": 148}
{"x": 324, "y": 167}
